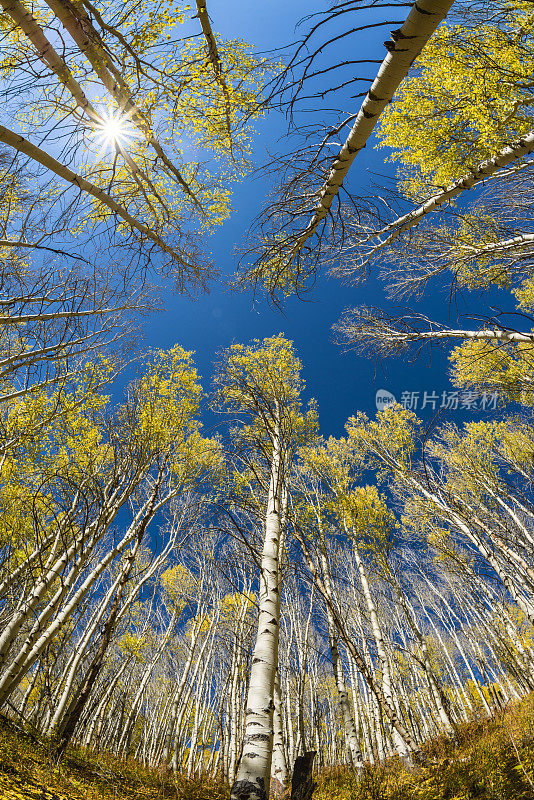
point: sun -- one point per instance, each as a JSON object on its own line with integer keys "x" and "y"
{"x": 114, "y": 130}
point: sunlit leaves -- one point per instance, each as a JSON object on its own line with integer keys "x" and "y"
{"x": 178, "y": 584}
{"x": 505, "y": 367}
{"x": 471, "y": 95}
{"x": 392, "y": 434}
{"x": 265, "y": 373}
{"x": 167, "y": 397}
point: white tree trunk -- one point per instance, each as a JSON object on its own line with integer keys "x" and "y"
{"x": 484, "y": 170}
{"x": 280, "y": 773}
{"x": 387, "y": 686}
{"x": 420, "y": 24}
{"x": 254, "y": 774}
{"x": 351, "y": 734}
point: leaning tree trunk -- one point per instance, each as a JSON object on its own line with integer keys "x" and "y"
{"x": 70, "y": 720}
{"x": 436, "y": 691}
{"x": 406, "y": 45}
{"x": 74, "y": 711}
{"x": 399, "y": 742}
{"x": 510, "y": 153}
{"x": 254, "y": 774}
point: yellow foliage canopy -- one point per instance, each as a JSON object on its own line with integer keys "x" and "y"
{"x": 471, "y": 95}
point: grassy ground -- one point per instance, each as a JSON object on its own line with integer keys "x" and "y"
{"x": 494, "y": 760}
{"x": 28, "y": 773}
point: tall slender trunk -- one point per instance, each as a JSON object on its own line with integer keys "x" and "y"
{"x": 73, "y": 666}
{"x": 289, "y": 718}
{"x": 387, "y": 686}
{"x": 167, "y": 742}
{"x": 95, "y": 728}
{"x": 124, "y": 741}
{"x": 68, "y": 723}
{"x": 351, "y": 735}
{"x": 388, "y": 709}
{"x": 254, "y": 774}
{"x": 436, "y": 691}
{"x": 280, "y": 772}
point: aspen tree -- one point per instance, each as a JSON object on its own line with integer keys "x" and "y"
{"x": 82, "y": 647}
{"x": 449, "y": 140}
{"x": 162, "y": 447}
{"x": 317, "y": 504}
{"x": 364, "y": 517}
{"x": 280, "y": 772}
{"x": 262, "y": 384}
{"x": 472, "y": 72}
{"x": 58, "y": 311}
{"x": 237, "y": 621}
{"x": 455, "y": 138}
{"x": 337, "y": 667}
{"x": 210, "y": 627}
{"x": 157, "y": 87}
{"x": 381, "y": 334}
{"x": 279, "y": 766}
{"x": 79, "y": 699}
{"x": 390, "y": 445}
{"x": 290, "y": 250}
{"x": 364, "y": 668}
{"x": 168, "y": 581}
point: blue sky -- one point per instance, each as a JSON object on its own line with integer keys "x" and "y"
{"x": 342, "y": 383}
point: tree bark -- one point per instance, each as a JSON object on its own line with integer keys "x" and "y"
{"x": 485, "y": 169}
{"x": 70, "y": 720}
{"x": 351, "y": 735}
{"x": 406, "y": 44}
{"x": 254, "y": 773}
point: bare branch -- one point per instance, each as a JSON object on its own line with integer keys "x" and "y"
{"x": 375, "y": 331}
{"x": 290, "y": 246}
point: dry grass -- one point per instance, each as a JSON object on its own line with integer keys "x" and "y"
{"x": 27, "y": 772}
{"x": 494, "y": 760}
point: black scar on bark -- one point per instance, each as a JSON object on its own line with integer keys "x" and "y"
{"x": 257, "y": 737}
{"x": 423, "y": 11}
{"x": 397, "y": 35}
{"x": 391, "y": 47}
{"x": 246, "y": 790}
{"x": 374, "y": 97}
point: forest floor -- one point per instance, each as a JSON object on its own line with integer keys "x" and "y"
{"x": 493, "y": 760}
{"x": 27, "y": 772}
